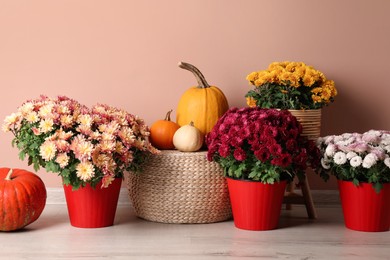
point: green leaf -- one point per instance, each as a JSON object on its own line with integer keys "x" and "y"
{"x": 378, "y": 187}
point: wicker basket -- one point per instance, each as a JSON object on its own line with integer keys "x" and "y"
{"x": 310, "y": 121}
{"x": 178, "y": 187}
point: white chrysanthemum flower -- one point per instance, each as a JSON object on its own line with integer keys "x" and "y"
{"x": 387, "y": 162}
{"x": 330, "y": 150}
{"x": 387, "y": 148}
{"x": 369, "y": 160}
{"x": 327, "y": 139}
{"x": 356, "y": 161}
{"x": 85, "y": 171}
{"x": 340, "y": 158}
{"x": 337, "y": 138}
{"x": 325, "y": 164}
{"x": 48, "y": 150}
{"x": 350, "y": 155}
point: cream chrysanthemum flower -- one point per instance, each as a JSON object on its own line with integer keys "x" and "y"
{"x": 32, "y": 117}
{"x": 85, "y": 120}
{"x": 12, "y": 119}
{"x": 63, "y": 160}
{"x": 46, "y": 125}
{"x": 46, "y": 111}
{"x": 48, "y": 150}
{"x": 83, "y": 150}
{"x": 85, "y": 171}
{"x": 66, "y": 120}
{"x": 26, "y": 108}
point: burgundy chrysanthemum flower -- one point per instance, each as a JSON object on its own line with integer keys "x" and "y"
{"x": 269, "y": 135}
{"x": 262, "y": 154}
{"x": 239, "y": 154}
{"x": 283, "y": 160}
{"x": 224, "y": 150}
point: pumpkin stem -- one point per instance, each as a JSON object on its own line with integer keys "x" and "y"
{"x": 8, "y": 177}
{"x": 202, "y": 83}
{"x": 191, "y": 123}
{"x": 168, "y": 116}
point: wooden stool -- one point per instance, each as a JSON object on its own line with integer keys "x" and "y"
{"x": 305, "y": 198}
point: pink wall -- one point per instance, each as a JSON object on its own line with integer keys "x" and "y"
{"x": 125, "y": 53}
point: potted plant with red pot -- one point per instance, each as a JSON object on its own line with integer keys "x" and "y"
{"x": 260, "y": 151}
{"x": 89, "y": 148}
{"x": 361, "y": 164}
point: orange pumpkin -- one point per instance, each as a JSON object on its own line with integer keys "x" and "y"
{"x": 202, "y": 104}
{"x": 162, "y": 131}
{"x": 22, "y": 198}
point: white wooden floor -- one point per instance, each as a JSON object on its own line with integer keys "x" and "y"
{"x": 52, "y": 237}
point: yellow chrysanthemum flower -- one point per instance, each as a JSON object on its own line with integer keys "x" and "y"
{"x": 316, "y": 99}
{"x": 251, "y": 102}
{"x": 252, "y": 77}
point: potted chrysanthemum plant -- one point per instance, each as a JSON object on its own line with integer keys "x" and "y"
{"x": 260, "y": 150}
{"x": 361, "y": 164}
{"x": 293, "y": 86}
{"x": 89, "y": 148}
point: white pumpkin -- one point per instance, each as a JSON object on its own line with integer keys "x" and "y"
{"x": 188, "y": 138}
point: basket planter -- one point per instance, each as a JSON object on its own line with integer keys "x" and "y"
{"x": 310, "y": 120}
{"x": 363, "y": 208}
{"x": 178, "y": 187}
{"x": 93, "y": 207}
{"x": 255, "y": 205}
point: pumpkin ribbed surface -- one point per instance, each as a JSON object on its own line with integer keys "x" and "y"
{"x": 22, "y": 199}
{"x": 203, "y": 106}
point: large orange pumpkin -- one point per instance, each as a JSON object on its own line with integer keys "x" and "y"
{"x": 22, "y": 198}
{"x": 202, "y": 104}
{"x": 162, "y": 131}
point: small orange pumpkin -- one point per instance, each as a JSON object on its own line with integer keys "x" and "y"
{"x": 22, "y": 198}
{"x": 162, "y": 131}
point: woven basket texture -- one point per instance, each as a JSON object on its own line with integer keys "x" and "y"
{"x": 179, "y": 187}
{"x": 310, "y": 121}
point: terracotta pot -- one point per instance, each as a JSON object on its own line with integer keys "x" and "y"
{"x": 363, "y": 208}
{"x": 93, "y": 207}
{"x": 255, "y": 205}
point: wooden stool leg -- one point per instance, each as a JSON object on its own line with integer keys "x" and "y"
{"x": 290, "y": 191}
{"x": 311, "y": 211}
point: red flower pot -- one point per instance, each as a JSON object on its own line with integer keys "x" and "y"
{"x": 363, "y": 208}
{"x": 93, "y": 207}
{"x": 256, "y": 206}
